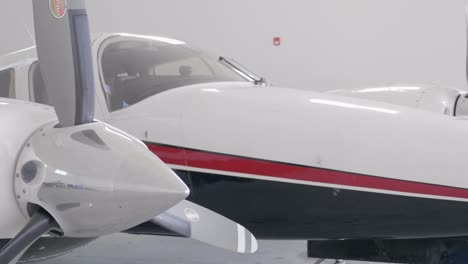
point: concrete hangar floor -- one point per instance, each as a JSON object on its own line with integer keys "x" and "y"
{"x": 128, "y": 249}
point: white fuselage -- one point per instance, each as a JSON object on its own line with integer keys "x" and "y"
{"x": 347, "y": 145}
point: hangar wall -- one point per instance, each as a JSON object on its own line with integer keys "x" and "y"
{"x": 326, "y": 44}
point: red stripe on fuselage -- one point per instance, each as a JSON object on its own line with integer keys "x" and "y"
{"x": 229, "y": 163}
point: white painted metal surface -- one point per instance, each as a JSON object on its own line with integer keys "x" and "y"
{"x": 316, "y": 129}
{"x": 19, "y": 120}
{"x": 424, "y": 97}
{"x": 304, "y": 127}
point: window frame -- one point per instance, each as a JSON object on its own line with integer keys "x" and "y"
{"x": 32, "y": 92}
{"x": 135, "y": 38}
{"x": 114, "y": 39}
{"x": 12, "y": 85}
{"x": 106, "y": 42}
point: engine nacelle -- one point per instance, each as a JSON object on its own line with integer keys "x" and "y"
{"x": 424, "y": 97}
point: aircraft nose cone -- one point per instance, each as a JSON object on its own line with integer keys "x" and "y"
{"x": 145, "y": 188}
{"x": 147, "y": 182}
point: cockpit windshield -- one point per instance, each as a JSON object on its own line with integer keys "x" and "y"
{"x": 134, "y": 70}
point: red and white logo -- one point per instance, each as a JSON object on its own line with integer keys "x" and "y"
{"x": 58, "y": 8}
{"x": 276, "y": 41}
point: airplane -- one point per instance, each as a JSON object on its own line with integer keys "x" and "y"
{"x": 68, "y": 178}
{"x": 359, "y": 179}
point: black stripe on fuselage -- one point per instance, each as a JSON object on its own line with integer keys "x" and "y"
{"x": 280, "y": 210}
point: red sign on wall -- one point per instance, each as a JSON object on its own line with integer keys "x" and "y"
{"x": 276, "y": 41}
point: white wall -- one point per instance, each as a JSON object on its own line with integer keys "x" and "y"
{"x": 327, "y": 44}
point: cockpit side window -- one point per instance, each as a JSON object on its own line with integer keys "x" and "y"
{"x": 185, "y": 68}
{"x": 7, "y": 83}
{"x": 133, "y": 70}
{"x": 37, "y": 90}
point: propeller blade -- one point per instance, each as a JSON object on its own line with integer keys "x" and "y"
{"x": 194, "y": 221}
{"x": 65, "y": 58}
{"x": 39, "y": 224}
